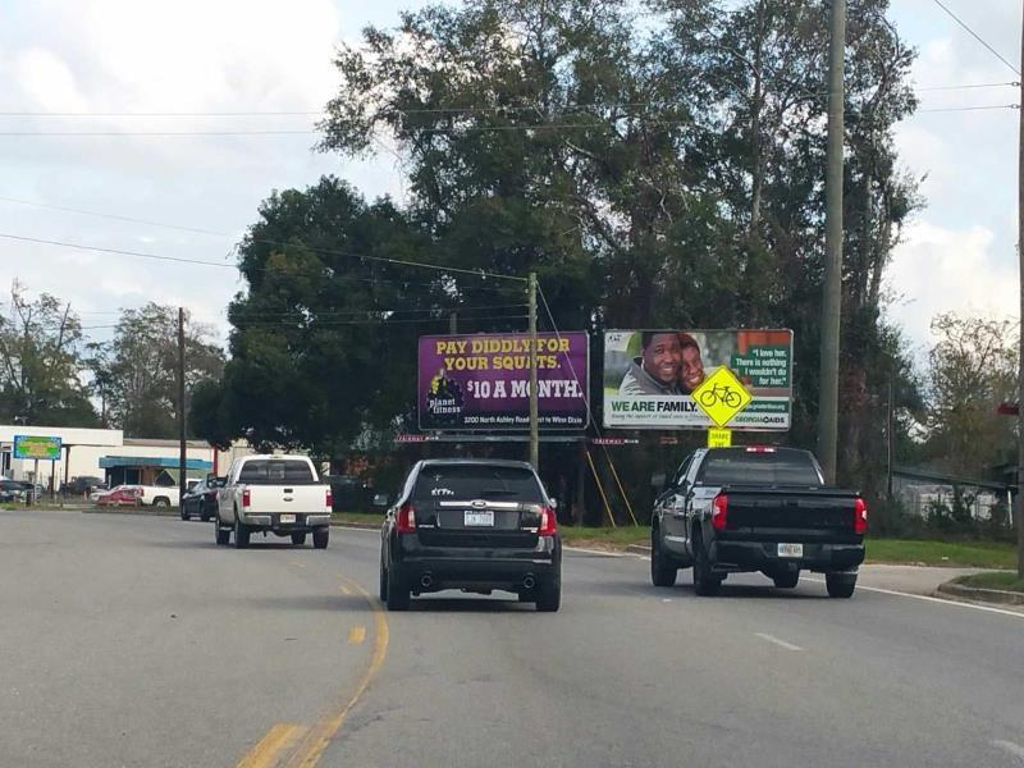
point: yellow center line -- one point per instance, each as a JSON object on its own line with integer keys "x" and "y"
{"x": 266, "y": 751}
{"x": 308, "y": 752}
{"x": 356, "y": 635}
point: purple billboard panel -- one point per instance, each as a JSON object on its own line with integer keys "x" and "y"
{"x": 482, "y": 381}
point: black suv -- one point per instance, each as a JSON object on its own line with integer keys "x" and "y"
{"x": 474, "y": 525}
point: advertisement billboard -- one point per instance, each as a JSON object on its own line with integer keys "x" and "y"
{"x": 482, "y": 381}
{"x": 649, "y": 376}
{"x": 37, "y": 447}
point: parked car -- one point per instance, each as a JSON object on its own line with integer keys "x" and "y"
{"x": 742, "y": 509}
{"x": 473, "y": 525}
{"x": 201, "y": 500}
{"x": 20, "y": 489}
{"x": 83, "y": 485}
{"x": 120, "y": 496}
{"x": 273, "y": 494}
{"x": 350, "y": 493}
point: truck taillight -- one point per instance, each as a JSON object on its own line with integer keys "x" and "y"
{"x": 329, "y": 499}
{"x": 406, "y": 522}
{"x": 860, "y": 516}
{"x": 246, "y": 498}
{"x": 718, "y": 515}
{"x": 548, "y": 522}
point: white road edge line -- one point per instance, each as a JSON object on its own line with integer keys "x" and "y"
{"x": 1014, "y": 749}
{"x": 929, "y": 599}
{"x": 782, "y": 643}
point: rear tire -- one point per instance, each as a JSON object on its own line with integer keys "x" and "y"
{"x": 383, "y": 590}
{"x": 241, "y": 534}
{"x": 298, "y": 539}
{"x": 223, "y": 535}
{"x": 184, "y": 514}
{"x": 705, "y": 583}
{"x": 549, "y": 596}
{"x": 320, "y": 537}
{"x": 161, "y": 501}
{"x": 786, "y": 580}
{"x": 840, "y": 585}
{"x": 663, "y": 573}
{"x": 398, "y": 595}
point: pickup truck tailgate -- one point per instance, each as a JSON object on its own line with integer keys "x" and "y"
{"x": 277, "y": 499}
{"x": 810, "y": 512}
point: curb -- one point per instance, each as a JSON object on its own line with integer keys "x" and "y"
{"x": 173, "y": 511}
{"x": 1002, "y": 597}
{"x": 639, "y": 549}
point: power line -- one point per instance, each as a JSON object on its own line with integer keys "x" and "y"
{"x": 277, "y": 132}
{"x": 442, "y": 317}
{"x": 1011, "y": 83}
{"x": 496, "y": 109}
{"x": 139, "y": 254}
{"x": 970, "y": 109}
{"x": 976, "y": 36}
{"x": 115, "y": 217}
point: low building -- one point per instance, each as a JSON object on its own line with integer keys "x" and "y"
{"x": 107, "y": 453}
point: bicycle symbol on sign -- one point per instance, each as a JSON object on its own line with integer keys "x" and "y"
{"x": 722, "y": 393}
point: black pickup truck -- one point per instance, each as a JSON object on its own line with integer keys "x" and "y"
{"x": 743, "y": 509}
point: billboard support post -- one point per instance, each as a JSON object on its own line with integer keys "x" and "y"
{"x": 534, "y": 409}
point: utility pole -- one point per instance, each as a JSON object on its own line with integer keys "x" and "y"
{"x": 453, "y": 323}
{"x": 828, "y": 396}
{"x": 181, "y": 406}
{"x": 1020, "y": 373}
{"x": 890, "y": 439}
{"x": 534, "y": 410}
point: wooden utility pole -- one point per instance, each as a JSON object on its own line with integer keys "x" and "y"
{"x": 1020, "y": 373}
{"x": 181, "y": 407}
{"x": 828, "y": 395}
{"x": 534, "y": 408}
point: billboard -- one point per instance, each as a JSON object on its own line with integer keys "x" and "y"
{"x": 482, "y": 381}
{"x": 35, "y": 447}
{"x": 649, "y": 375}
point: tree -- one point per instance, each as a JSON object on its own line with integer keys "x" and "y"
{"x": 138, "y": 369}
{"x": 41, "y": 364}
{"x": 657, "y": 165}
{"x": 971, "y": 370}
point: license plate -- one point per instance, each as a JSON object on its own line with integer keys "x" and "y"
{"x": 791, "y": 550}
{"x": 478, "y": 519}
{"x": 287, "y": 518}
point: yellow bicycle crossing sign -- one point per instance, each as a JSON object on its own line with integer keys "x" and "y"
{"x": 722, "y": 396}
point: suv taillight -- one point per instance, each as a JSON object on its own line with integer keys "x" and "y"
{"x": 406, "y": 522}
{"x": 329, "y": 499}
{"x": 548, "y": 522}
{"x": 246, "y": 498}
{"x": 721, "y": 508}
{"x": 860, "y": 516}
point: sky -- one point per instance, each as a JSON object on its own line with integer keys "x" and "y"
{"x": 120, "y": 56}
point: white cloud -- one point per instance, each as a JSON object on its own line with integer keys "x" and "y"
{"x": 937, "y": 270}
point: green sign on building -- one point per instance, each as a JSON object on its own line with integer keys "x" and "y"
{"x": 37, "y": 447}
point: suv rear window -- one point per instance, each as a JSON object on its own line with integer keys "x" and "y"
{"x": 276, "y": 472}
{"x": 464, "y": 482}
{"x": 738, "y": 467}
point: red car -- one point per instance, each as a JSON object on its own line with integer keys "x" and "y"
{"x": 120, "y": 496}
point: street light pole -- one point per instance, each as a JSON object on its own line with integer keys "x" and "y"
{"x": 1020, "y": 343}
{"x": 828, "y": 395}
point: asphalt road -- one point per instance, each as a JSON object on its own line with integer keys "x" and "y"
{"x": 134, "y": 641}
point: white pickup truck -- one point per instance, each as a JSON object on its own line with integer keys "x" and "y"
{"x": 276, "y": 494}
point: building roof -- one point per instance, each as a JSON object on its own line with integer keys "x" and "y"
{"x": 163, "y": 462}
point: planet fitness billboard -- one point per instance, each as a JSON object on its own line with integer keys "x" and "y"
{"x": 482, "y": 381}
